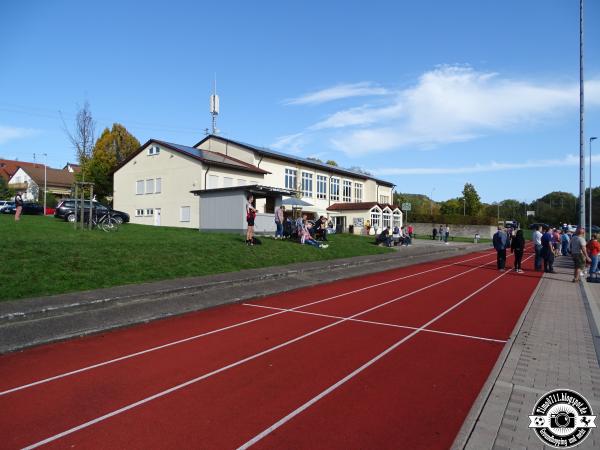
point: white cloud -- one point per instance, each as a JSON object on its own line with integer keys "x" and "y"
{"x": 8, "y": 133}
{"x": 292, "y": 143}
{"x": 338, "y": 92}
{"x": 447, "y": 104}
{"x": 493, "y": 166}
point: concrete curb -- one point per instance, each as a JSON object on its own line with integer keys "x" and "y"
{"x": 30, "y": 322}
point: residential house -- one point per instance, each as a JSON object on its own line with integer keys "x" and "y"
{"x": 30, "y": 180}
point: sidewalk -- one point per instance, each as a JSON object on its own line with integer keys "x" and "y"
{"x": 29, "y": 322}
{"x": 552, "y": 347}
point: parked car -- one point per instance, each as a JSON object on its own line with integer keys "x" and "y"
{"x": 533, "y": 226}
{"x": 66, "y": 210}
{"x": 28, "y": 208}
{"x": 5, "y": 204}
{"x": 595, "y": 229}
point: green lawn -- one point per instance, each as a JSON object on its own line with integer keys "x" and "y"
{"x": 42, "y": 255}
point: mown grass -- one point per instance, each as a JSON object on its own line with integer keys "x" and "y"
{"x": 43, "y": 256}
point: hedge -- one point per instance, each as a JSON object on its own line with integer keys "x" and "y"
{"x": 456, "y": 219}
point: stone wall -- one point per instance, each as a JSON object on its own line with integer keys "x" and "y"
{"x": 485, "y": 231}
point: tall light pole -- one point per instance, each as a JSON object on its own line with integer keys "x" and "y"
{"x": 581, "y": 137}
{"x": 464, "y": 206}
{"x": 590, "y": 183}
{"x": 45, "y": 178}
{"x": 431, "y": 202}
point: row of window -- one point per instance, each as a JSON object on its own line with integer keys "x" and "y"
{"x": 385, "y": 218}
{"x": 149, "y": 186}
{"x": 213, "y": 182}
{"x": 291, "y": 180}
{"x": 184, "y": 213}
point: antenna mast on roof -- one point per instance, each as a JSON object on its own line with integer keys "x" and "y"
{"x": 214, "y": 107}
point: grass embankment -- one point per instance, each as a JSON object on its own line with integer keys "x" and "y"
{"x": 44, "y": 256}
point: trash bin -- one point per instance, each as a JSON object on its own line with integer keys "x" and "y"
{"x": 351, "y": 229}
{"x": 339, "y": 228}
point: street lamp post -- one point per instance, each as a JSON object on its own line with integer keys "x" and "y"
{"x": 464, "y": 206}
{"x": 45, "y": 178}
{"x": 590, "y": 183}
{"x": 431, "y": 202}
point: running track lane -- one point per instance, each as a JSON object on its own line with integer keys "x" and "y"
{"x": 243, "y": 399}
{"x": 114, "y": 386}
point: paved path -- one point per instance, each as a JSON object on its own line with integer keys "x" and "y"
{"x": 553, "y": 348}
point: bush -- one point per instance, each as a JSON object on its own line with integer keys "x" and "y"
{"x": 455, "y": 219}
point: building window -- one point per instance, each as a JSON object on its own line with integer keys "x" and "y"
{"x": 321, "y": 186}
{"x": 153, "y": 150}
{"x": 158, "y": 186}
{"x": 291, "y": 179}
{"x": 397, "y": 218}
{"x": 139, "y": 187}
{"x": 184, "y": 214}
{"x": 376, "y": 218}
{"x": 384, "y": 199}
{"x": 358, "y": 192}
{"x": 387, "y": 218}
{"x": 150, "y": 186}
{"x": 307, "y": 184}
{"x": 150, "y": 212}
{"x": 347, "y": 192}
{"x": 213, "y": 181}
{"x": 139, "y": 212}
{"x": 334, "y": 189}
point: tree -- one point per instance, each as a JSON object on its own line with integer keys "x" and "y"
{"x": 556, "y": 207}
{"x": 317, "y": 160}
{"x": 452, "y": 206}
{"x": 83, "y": 136}
{"x": 5, "y": 191}
{"x": 111, "y": 149}
{"x": 331, "y": 162}
{"x": 472, "y": 204}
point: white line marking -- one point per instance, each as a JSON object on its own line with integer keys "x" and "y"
{"x": 351, "y": 375}
{"x": 385, "y": 324}
{"x": 235, "y": 364}
{"x": 180, "y": 341}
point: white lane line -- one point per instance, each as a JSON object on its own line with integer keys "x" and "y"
{"x": 351, "y": 375}
{"x": 237, "y": 363}
{"x": 197, "y": 336}
{"x": 385, "y": 324}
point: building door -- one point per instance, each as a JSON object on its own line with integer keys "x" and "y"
{"x": 157, "y": 217}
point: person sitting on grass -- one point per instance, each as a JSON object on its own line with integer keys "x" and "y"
{"x": 384, "y": 238}
{"x": 306, "y": 238}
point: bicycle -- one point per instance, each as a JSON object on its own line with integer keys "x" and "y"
{"x": 105, "y": 222}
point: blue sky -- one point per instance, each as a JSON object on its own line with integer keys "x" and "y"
{"x": 429, "y": 95}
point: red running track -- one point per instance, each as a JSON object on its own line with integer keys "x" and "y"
{"x": 390, "y": 360}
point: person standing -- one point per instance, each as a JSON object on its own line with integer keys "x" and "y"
{"x": 537, "y": 245}
{"x": 517, "y": 246}
{"x": 446, "y": 233}
{"x": 410, "y": 230}
{"x": 250, "y": 216}
{"x": 441, "y": 232}
{"x": 19, "y": 206}
{"x": 548, "y": 250}
{"x": 578, "y": 253}
{"x": 279, "y": 213}
{"x": 565, "y": 238}
{"x": 500, "y": 241}
{"x": 434, "y": 234}
{"x": 593, "y": 249}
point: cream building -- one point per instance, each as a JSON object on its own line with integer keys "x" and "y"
{"x": 154, "y": 184}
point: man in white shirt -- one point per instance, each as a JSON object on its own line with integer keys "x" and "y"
{"x": 579, "y": 253}
{"x": 537, "y": 244}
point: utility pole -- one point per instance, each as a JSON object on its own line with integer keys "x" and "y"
{"x": 581, "y": 111}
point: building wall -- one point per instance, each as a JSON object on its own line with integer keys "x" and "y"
{"x": 484, "y": 231}
{"x": 179, "y": 175}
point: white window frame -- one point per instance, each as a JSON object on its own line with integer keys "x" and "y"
{"x": 307, "y": 184}
{"x": 213, "y": 178}
{"x": 334, "y": 194}
{"x": 291, "y": 178}
{"x": 321, "y": 186}
{"x": 153, "y": 150}
{"x": 358, "y": 192}
{"x": 241, "y": 182}
{"x": 346, "y": 189}
{"x": 384, "y": 198}
{"x": 375, "y": 215}
{"x": 150, "y": 186}
{"x": 149, "y": 211}
{"x": 138, "y": 184}
{"x": 386, "y": 218}
{"x": 139, "y": 212}
{"x": 158, "y": 186}
{"x": 189, "y": 213}
{"x": 397, "y": 218}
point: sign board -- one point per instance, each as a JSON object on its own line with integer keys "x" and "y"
{"x": 406, "y": 206}
{"x": 359, "y": 222}
{"x": 530, "y": 213}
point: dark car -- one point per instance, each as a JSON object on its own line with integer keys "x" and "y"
{"x": 66, "y": 210}
{"x": 28, "y": 208}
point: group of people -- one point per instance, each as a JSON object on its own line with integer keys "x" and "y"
{"x": 399, "y": 236}
{"x": 549, "y": 243}
{"x": 442, "y": 233}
